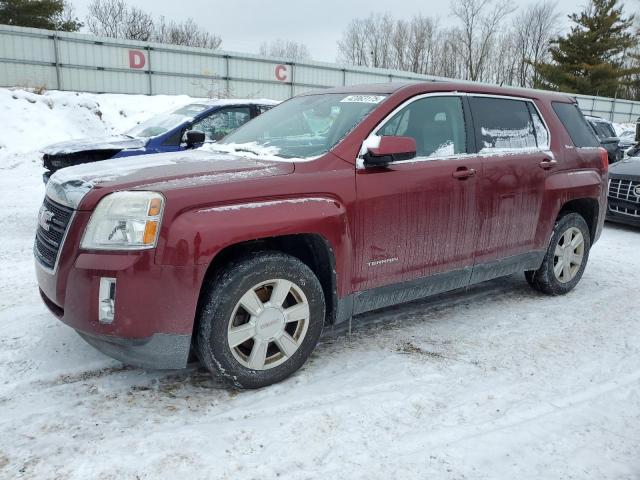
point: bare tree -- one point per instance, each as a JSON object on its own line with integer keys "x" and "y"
{"x": 480, "y": 20}
{"x": 368, "y": 42}
{"x": 289, "y": 49}
{"x": 116, "y": 19}
{"x": 186, "y": 33}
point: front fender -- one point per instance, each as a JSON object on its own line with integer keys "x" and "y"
{"x": 196, "y": 236}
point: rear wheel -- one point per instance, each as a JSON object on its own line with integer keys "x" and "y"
{"x": 566, "y": 257}
{"x": 260, "y": 320}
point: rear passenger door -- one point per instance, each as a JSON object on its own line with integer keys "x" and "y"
{"x": 513, "y": 143}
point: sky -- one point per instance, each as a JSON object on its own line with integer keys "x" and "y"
{"x": 245, "y": 24}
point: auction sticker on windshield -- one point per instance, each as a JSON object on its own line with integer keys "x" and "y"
{"x": 363, "y": 99}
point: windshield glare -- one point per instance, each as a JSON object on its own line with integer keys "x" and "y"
{"x": 165, "y": 122}
{"x": 303, "y": 127}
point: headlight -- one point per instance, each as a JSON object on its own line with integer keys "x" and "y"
{"x": 125, "y": 221}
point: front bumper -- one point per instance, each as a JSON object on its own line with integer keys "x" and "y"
{"x": 155, "y": 305}
{"x": 622, "y": 214}
{"x": 162, "y": 351}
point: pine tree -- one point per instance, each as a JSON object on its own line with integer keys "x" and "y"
{"x": 49, "y": 14}
{"x": 589, "y": 59}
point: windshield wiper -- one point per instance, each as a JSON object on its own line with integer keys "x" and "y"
{"x": 248, "y": 150}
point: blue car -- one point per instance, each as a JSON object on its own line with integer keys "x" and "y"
{"x": 184, "y": 128}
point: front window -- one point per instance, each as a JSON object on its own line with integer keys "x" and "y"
{"x": 303, "y": 127}
{"x": 436, "y": 124}
{"x": 167, "y": 121}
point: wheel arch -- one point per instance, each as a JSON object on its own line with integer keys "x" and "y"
{"x": 587, "y": 208}
{"x": 312, "y": 249}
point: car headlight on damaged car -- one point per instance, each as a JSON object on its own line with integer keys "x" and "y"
{"x": 125, "y": 221}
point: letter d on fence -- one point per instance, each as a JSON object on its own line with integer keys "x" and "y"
{"x": 136, "y": 59}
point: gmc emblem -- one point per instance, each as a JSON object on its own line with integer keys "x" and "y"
{"x": 44, "y": 218}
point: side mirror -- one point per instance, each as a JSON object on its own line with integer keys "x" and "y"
{"x": 390, "y": 149}
{"x": 194, "y": 137}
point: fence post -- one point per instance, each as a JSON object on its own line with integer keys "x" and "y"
{"x": 149, "y": 71}
{"x": 292, "y": 78}
{"x": 56, "y": 54}
{"x": 227, "y": 75}
{"x": 344, "y": 77}
{"x": 613, "y": 110}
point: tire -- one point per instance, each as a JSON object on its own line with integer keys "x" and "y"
{"x": 546, "y": 279}
{"x": 239, "y": 302}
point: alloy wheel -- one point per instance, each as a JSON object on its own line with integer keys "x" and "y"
{"x": 568, "y": 255}
{"x": 268, "y": 324}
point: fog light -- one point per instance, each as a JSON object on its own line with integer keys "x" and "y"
{"x": 107, "y": 300}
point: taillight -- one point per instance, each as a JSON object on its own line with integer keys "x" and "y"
{"x": 604, "y": 158}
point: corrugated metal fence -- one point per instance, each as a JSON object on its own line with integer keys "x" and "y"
{"x": 69, "y": 61}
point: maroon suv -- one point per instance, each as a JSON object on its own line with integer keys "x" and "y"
{"x": 331, "y": 204}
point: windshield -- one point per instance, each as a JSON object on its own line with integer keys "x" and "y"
{"x": 166, "y": 121}
{"x": 302, "y": 127}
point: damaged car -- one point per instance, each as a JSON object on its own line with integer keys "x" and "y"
{"x": 186, "y": 127}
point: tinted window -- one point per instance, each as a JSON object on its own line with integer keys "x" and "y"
{"x": 502, "y": 124}
{"x": 577, "y": 128}
{"x": 222, "y": 122}
{"x": 436, "y": 123}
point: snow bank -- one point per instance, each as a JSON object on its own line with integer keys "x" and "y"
{"x": 29, "y": 121}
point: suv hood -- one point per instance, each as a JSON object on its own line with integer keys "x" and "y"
{"x": 626, "y": 167}
{"x": 116, "y": 142}
{"x": 160, "y": 172}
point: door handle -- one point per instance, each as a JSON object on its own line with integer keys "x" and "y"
{"x": 462, "y": 173}
{"x": 548, "y": 163}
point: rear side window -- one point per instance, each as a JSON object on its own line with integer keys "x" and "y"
{"x": 502, "y": 124}
{"x": 576, "y": 125}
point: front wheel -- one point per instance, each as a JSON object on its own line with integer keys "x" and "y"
{"x": 566, "y": 257}
{"x": 260, "y": 319}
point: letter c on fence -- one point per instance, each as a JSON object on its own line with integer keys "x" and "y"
{"x": 281, "y": 73}
{"x": 136, "y": 59}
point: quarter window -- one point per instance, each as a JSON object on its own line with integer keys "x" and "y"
{"x": 542, "y": 134}
{"x": 502, "y": 124}
{"x": 436, "y": 123}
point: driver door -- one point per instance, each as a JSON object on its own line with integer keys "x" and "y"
{"x": 417, "y": 220}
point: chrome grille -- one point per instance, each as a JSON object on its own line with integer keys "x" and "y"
{"x": 624, "y": 189}
{"x": 52, "y": 227}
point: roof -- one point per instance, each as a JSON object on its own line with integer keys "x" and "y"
{"x": 593, "y": 118}
{"x": 223, "y": 102}
{"x": 446, "y": 86}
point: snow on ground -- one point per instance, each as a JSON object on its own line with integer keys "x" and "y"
{"x": 495, "y": 382}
